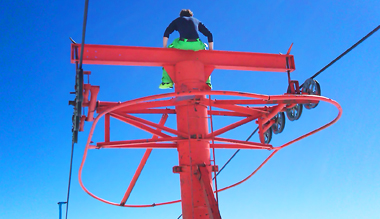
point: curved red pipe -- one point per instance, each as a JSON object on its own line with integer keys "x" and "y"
{"x": 231, "y": 93}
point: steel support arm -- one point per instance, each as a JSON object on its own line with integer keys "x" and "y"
{"x": 151, "y": 56}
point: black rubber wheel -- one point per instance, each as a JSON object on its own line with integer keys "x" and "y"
{"x": 294, "y": 113}
{"x": 279, "y": 123}
{"x": 311, "y": 87}
{"x": 268, "y": 136}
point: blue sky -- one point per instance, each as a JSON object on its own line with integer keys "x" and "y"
{"x": 332, "y": 174}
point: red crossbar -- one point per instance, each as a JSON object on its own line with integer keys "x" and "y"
{"x": 149, "y": 56}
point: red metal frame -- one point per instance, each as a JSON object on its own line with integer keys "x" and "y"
{"x": 236, "y": 144}
{"x": 150, "y": 56}
{"x": 189, "y": 70}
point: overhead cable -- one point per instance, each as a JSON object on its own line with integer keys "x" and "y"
{"x": 345, "y": 52}
{"x": 80, "y": 70}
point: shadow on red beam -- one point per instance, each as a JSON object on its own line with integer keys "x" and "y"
{"x": 138, "y": 146}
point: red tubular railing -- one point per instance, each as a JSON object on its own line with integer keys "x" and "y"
{"x": 273, "y": 99}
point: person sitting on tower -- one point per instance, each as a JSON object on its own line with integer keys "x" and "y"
{"x": 188, "y": 27}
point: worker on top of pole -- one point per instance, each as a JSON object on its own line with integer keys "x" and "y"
{"x": 188, "y": 27}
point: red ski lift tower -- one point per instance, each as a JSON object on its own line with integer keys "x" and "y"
{"x": 193, "y": 106}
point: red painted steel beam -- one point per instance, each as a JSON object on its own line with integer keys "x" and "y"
{"x": 231, "y": 126}
{"x": 192, "y": 119}
{"x": 208, "y": 193}
{"x": 146, "y": 111}
{"x": 139, "y": 141}
{"x": 242, "y": 143}
{"x": 107, "y": 134}
{"x": 140, "y": 125}
{"x": 259, "y": 102}
{"x": 226, "y": 113}
{"x": 240, "y": 146}
{"x": 158, "y": 126}
{"x": 141, "y": 165}
{"x": 240, "y": 109}
{"x": 102, "y": 106}
{"x": 149, "y": 56}
{"x": 174, "y": 145}
{"x": 135, "y": 146}
{"x": 135, "y": 110}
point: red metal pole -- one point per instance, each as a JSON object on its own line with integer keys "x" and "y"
{"x": 107, "y": 128}
{"x": 192, "y": 119}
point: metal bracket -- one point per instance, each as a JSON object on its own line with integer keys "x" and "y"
{"x": 177, "y": 169}
{"x": 294, "y": 87}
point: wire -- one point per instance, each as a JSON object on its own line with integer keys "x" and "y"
{"x": 237, "y": 151}
{"x": 69, "y": 184}
{"x": 80, "y": 67}
{"x": 345, "y": 52}
{"x": 83, "y": 33}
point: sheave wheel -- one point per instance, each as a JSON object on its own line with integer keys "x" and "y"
{"x": 294, "y": 113}
{"x": 268, "y": 136}
{"x": 311, "y": 87}
{"x": 279, "y": 123}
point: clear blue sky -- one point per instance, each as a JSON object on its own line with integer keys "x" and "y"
{"x": 333, "y": 174}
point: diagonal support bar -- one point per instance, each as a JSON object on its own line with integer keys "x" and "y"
{"x": 137, "y": 146}
{"x": 140, "y": 125}
{"x": 141, "y": 165}
{"x": 211, "y": 203}
{"x": 231, "y": 126}
{"x": 240, "y": 109}
{"x": 139, "y": 141}
{"x": 158, "y": 126}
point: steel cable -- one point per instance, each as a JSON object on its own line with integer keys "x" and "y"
{"x": 80, "y": 68}
{"x": 69, "y": 184}
{"x": 345, "y": 52}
